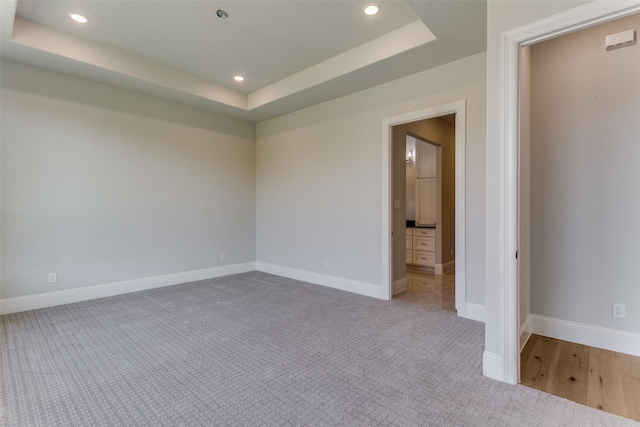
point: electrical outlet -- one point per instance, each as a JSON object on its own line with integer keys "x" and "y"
{"x": 619, "y": 310}
{"x": 52, "y": 278}
{"x": 223, "y": 256}
{"x": 327, "y": 264}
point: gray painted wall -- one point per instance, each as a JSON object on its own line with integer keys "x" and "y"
{"x": 102, "y": 185}
{"x": 585, "y": 178}
{"x": 319, "y": 175}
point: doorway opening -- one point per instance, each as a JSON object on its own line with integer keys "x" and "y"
{"x": 505, "y": 365}
{"x": 394, "y": 224}
{"x": 576, "y": 218}
{"x": 424, "y": 212}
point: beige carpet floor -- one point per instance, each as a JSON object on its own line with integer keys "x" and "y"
{"x": 259, "y": 350}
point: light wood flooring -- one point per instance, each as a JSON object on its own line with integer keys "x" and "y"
{"x": 591, "y": 376}
{"x": 427, "y": 288}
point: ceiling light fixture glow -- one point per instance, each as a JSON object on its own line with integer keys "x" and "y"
{"x": 238, "y": 78}
{"x": 371, "y": 9}
{"x": 78, "y": 18}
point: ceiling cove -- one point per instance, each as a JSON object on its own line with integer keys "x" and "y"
{"x": 291, "y": 54}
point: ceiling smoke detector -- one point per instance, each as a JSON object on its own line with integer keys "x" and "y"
{"x": 221, "y": 14}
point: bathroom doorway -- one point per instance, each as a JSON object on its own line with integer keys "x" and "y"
{"x": 394, "y": 200}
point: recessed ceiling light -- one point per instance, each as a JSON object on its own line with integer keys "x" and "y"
{"x": 78, "y": 18}
{"x": 238, "y": 78}
{"x": 222, "y": 14}
{"x": 371, "y": 9}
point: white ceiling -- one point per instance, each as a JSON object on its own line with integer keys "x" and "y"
{"x": 293, "y": 53}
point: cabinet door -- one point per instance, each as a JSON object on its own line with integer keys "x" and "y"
{"x": 424, "y": 232}
{"x": 427, "y": 259}
{"x": 426, "y": 201}
{"x": 426, "y": 160}
{"x": 424, "y": 244}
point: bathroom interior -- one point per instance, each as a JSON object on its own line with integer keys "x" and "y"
{"x": 426, "y": 272}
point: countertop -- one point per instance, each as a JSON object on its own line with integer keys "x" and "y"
{"x": 412, "y": 224}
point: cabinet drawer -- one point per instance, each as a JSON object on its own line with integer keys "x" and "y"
{"x": 408, "y": 254}
{"x": 408, "y": 242}
{"x": 408, "y": 231}
{"x": 424, "y": 243}
{"x": 424, "y": 258}
{"x": 422, "y": 232}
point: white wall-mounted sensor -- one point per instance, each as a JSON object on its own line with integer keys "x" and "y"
{"x": 618, "y": 40}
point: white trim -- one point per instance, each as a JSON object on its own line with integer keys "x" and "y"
{"x": 461, "y": 207}
{"x": 581, "y": 333}
{"x": 475, "y": 312}
{"x": 399, "y": 285}
{"x": 525, "y": 332}
{"x": 387, "y": 217}
{"x": 459, "y": 109}
{"x": 492, "y": 365}
{"x": 354, "y": 286}
{"x": 68, "y": 296}
{"x": 511, "y": 42}
{"x": 508, "y": 242}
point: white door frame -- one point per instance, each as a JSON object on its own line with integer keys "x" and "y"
{"x": 512, "y": 41}
{"x": 459, "y": 109}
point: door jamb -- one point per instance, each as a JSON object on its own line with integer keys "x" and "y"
{"x": 459, "y": 109}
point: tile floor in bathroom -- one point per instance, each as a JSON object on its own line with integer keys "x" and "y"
{"x": 427, "y": 288}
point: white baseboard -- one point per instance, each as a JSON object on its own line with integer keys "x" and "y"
{"x": 398, "y": 286}
{"x": 593, "y": 336}
{"x": 525, "y": 332}
{"x": 68, "y": 296}
{"x": 475, "y": 312}
{"x": 446, "y": 267}
{"x": 348, "y": 285}
{"x": 492, "y": 366}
